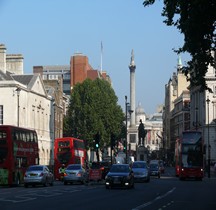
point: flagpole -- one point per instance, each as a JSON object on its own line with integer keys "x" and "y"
{"x": 101, "y": 57}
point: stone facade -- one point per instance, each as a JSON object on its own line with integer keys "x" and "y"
{"x": 203, "y": 111}
{"x": 24, "y": 102}
{"x": 176, "y": 92}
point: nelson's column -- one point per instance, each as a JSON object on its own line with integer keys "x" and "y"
{"x": 132, "y": 130}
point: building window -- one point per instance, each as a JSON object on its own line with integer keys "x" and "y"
{"x": 1, "y": 114}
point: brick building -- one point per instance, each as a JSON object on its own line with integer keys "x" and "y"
{"x": 78, "y": 70}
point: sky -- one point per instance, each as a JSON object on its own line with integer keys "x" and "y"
{"x": 49, "y": 32}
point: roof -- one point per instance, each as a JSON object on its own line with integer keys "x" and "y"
{"x": 4, "y": 76}
{"x": 24, "y": 79}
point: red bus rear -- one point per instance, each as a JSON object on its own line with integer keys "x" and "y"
{"x": 189, "y": 155}
{"x": 18, "y": 150}
{"x": 68, "y": 150}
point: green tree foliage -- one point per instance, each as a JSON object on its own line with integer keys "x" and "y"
{"x": 93, "y": 108}
{"x": 196, "y": 19}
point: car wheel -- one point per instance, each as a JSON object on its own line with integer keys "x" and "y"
{"x": 26, "y": 185}
{"x": 65, "y": 183}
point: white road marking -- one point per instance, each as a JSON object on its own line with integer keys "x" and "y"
{"x": 153, "y": 201}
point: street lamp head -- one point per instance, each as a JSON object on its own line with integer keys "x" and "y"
{"x": 18, "y": 91}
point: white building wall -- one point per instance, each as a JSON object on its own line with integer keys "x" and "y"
{"x": 206, "y": 113}
{"x": 8, "y": 99}
{"x": 34, "y": 113}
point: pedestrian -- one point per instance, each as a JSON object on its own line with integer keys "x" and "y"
{"x": 62, "y": 172}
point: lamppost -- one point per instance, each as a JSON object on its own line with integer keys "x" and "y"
{"x": 126, "y": 111}
{"x": 209, "y": 147}
{"x": 18, "y": 105}
{"x": 196, "y": 110}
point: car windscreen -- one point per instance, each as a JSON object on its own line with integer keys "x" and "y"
{"x": 153, "y": 166}
{"x": 139, "y": 165}
{"x": 73, "y": 167}
{"x": 35, "y": 168}
{"x": 119, "y": 168}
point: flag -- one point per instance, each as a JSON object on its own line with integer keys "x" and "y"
{"x": 101, "y": 47}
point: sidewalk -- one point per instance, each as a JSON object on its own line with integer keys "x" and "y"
{"x": 212, "y": 173}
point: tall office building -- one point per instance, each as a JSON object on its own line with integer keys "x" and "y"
{"x": 78, "y": 70}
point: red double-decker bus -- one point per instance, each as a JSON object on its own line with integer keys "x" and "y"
{"x": 68, "y": 150}
{"x": 18, "y": 150}
{"x": 189, "y": 155}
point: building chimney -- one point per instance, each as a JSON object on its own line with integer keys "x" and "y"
{"x": 3, "y": 58}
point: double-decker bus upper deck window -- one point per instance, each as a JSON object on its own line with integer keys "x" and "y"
{"x": 3, "y": 137}
{"x": 28, "y": 139}
{"x": 191, "y": 137}
{"x": 35, "y": 138}
{"x": 64, "y": 144}
{"x": 78, "y": 144}
{"x": 24, "y": 136}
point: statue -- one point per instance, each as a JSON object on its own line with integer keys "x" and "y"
{"x": 141, "y": 133}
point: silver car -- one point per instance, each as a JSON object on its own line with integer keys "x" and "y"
{"x": 75, "y": 173}
{"x": 38, "y": 175}
{"x": 141, "y": 171}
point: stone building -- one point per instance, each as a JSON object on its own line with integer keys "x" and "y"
{"x": 203, "y": 112}
{"x": 24, "y": 102}
{"x": 154, "y": 127}
{"x": 176, "y": 100}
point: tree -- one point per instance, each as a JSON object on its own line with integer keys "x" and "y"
{"x": 196, "y": 19}
{"x": 93, "y": 109}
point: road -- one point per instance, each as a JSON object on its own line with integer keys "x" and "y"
{"x": 166, "y": 193}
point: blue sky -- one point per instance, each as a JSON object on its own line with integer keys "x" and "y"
{"x": 49, "y": 32}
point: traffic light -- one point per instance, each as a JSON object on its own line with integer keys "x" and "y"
{"x": 97, "y": 140}
{"x": 124, "y": 144}
{"x": 113, "y": 140}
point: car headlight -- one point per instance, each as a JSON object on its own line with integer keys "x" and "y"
{"x": 79, "y": 174}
